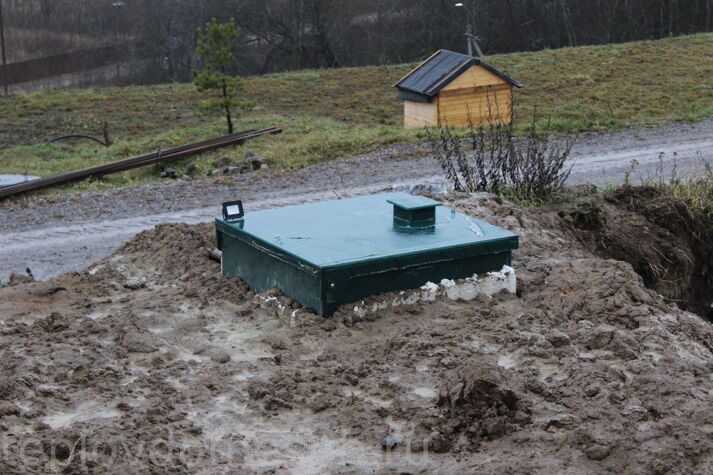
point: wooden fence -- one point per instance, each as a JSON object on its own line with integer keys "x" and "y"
{"x": 51, "y": 66}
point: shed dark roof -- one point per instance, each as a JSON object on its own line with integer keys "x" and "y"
{"x": 440, "y": 70}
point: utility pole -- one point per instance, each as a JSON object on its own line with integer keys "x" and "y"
{"x": 116, "y": 6}
{"x": 472, "y": 41}
{"x": 470, "y": 36}
{"x": 2, "y": 52}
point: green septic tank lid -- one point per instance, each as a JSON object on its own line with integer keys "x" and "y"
{"x": 414, "y": 213}
{"x": 412, "y": 202}
{"x": 332, "y": 234}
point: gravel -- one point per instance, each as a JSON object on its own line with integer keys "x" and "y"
{"x": 64, "y": 232}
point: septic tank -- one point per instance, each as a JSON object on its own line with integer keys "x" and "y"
{"x": 330, "y": 253}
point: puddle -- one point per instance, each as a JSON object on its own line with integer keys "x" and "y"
{"x": 313, "y": 348}
{"x": 6, "y": 180}
{"x": 311, "y": 356}
{"x": 479, "y": 346}
{"x": 243, "y": 376}
{"x": 239, "y": 341}
{"x": 655, "y": 357}
{"x": 377, "y": 401}
{"x": 86, "y": 411}
{"x": 98, "y": 315}
{"x": 180, "y": 353}
{"x": 426, "y": 393}
{"x": 509, "y": 361}
{"x": 218, "y": 418}
{"x": 328, "y": 455}
{"x": 127, "y": 380}
{"x": 551, "y": 372}
{"x": 349, "y": 392}
{"x": 175, "y": 382}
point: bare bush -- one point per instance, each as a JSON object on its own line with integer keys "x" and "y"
{"x": 490, "y": 158}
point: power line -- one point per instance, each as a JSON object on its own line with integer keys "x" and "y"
{"x": 2, "y": 52}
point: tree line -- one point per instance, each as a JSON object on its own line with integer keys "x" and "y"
{"x": 159, "y": 36}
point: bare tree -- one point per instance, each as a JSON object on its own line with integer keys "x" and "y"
{"x": 158, "y": 36}
{"x": 492, "y": 159}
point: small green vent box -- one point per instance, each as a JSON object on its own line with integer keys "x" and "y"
{"x": 335, "y": 252}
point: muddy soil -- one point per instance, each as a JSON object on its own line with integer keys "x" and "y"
{"x": 656, "y": 234}
{"x": 151, "y": 362}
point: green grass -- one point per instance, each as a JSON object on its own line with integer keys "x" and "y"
{"x": 327, "y": 114}
{"x": 696, "y": 194}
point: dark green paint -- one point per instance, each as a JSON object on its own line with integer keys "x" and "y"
{"x": 414, "y": 212}
{"x": 335, "y": 252}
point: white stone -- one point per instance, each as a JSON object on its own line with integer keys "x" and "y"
{"x": 469, "y": 288}
{"x": 466, "y": 289}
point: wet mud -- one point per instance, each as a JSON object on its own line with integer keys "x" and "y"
{"x": 150, "y": 362}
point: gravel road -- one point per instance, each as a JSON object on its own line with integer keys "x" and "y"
{"x": 59, "y": 233}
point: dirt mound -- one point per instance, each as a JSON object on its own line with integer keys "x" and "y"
{"x": 151, "y": 362}
{"x": 18, "y": 279}
{"x": 169, "y": 254}
{"x": 479, "y": 403}
{"x": 172, "y": 251}
{"x": 654, "y": 233}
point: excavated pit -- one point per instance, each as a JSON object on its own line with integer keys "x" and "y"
{"x": 654, "y": 233}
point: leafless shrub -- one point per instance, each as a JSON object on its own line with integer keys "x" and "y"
{"x": 490, "y": 158}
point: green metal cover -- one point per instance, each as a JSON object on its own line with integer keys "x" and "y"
{"x": 414, "y": 211}
{"x": 334, "y": 252}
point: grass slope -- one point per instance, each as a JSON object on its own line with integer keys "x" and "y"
{"x": 328, "y": 114}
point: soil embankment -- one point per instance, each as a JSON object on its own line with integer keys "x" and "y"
{"x": 657, "y": 234}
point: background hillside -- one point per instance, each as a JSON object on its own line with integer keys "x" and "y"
{"x": 157, "y": 37}
{"x": 331, "y": 113}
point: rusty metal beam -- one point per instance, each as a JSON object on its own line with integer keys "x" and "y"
{"x": 135, "y": 162}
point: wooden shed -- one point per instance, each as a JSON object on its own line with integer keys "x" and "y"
{"x": 448, "y": 87}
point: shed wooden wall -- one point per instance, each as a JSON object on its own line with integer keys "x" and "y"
{"x": 477, "y": 92}
{"x": 420, "y": 114}
{"x": 480, "y": 103}
{"x": 474, "y": 77}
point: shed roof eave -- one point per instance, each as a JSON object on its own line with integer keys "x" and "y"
{"x": 396, "y": 84}
{"x": 409, "y": 95}
{"x": 452, "y": 66}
